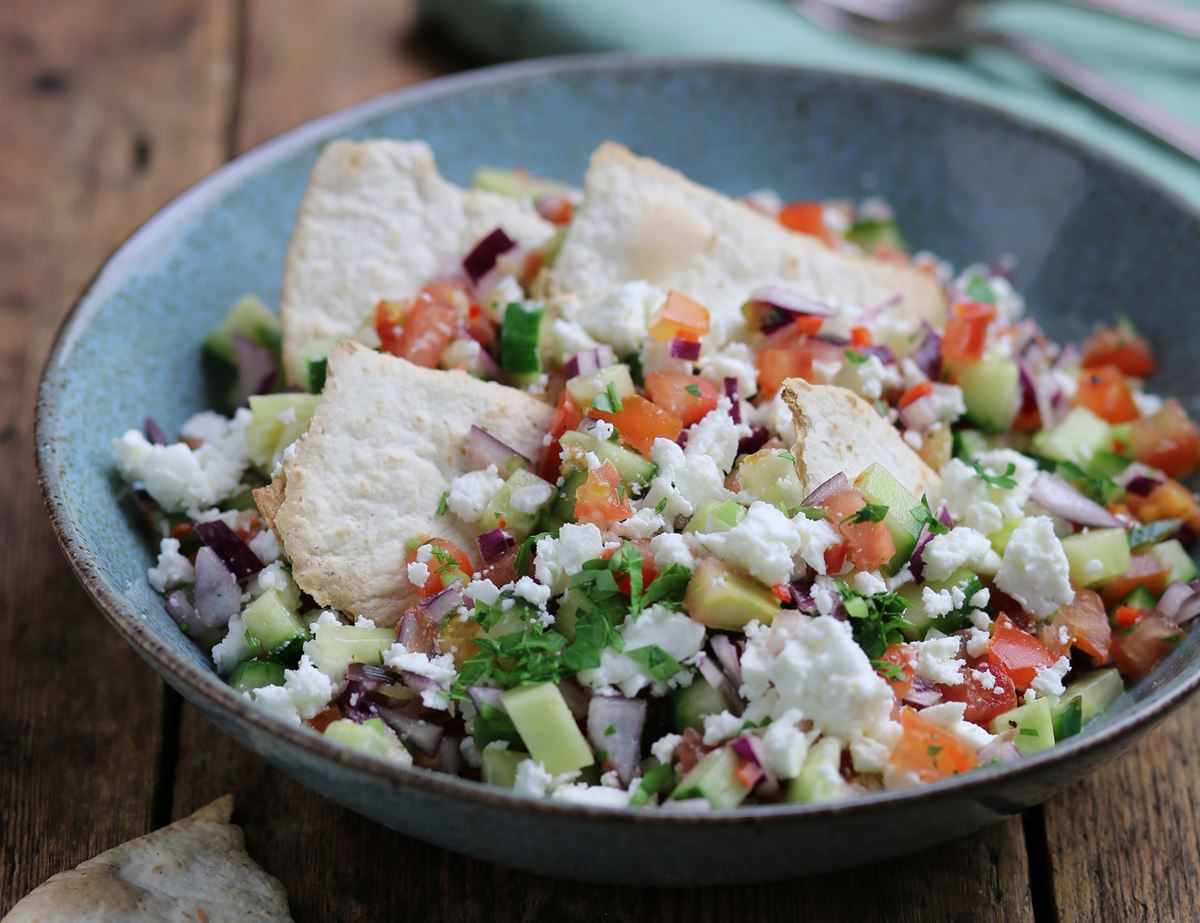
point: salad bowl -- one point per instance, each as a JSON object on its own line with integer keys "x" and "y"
{"x": 1090, "y": 238}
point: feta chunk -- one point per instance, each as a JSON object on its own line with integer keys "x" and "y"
{"x": 960, "y": 547}
{"x": 763, "y": 544}
{"x": 470, "y": 493}
{"x": 172, "y": 569}
{"x": 1035, "y": 571}
{"x": 716, "y": 436}
{"x": 556, "y": 560}
{"x": 683, "y": 481}
{"x": 949, "y": 716}
{"x": 621, "y": 318}
{"x": 1049, "y": 680}
{"x": 938, "y": 660}
{"x": 670, "y": 548}
{"x": 674, "y": 632}
{"x": 734, "y": 360}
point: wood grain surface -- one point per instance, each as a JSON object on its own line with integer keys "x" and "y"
{"x": 109, "y": 108}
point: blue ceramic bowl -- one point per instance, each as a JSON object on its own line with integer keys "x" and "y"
{"x": 1091, "y": 238}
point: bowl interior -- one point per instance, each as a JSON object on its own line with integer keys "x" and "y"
{"x": 1091, "y": 240}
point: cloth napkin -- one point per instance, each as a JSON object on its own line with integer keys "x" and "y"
{"x": 1162, "y": 67}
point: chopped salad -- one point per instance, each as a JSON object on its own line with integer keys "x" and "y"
{"x": 658, "y": 610}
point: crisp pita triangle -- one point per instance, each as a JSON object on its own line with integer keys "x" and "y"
{"x": 642, "y": 220}
{"x": 836, "y": 430}
{"x": 386, "y": 440}
{"x": 379, "y": 221}
{"x": 195, "y": 869}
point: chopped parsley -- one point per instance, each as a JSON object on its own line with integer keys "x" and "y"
{"x": 933, "y": 750}
{"x": 668, "y": 588}
{"x": 855, "y": 357}
{"x": 959, "y": 618}
{"x": 693, "y": 390}
{"x": 871, "y": 512}
{"x": 443, "y": 503}
{"x": 660, "y": 506}
{"x": 445, "y": 559}
{"x": 658, "y": 663}
{"x": 1151, "y": 532}
{"x": 925, "y": 517}
{"x": 1004, "y": 481}
{"x": 608, "y": 400}
{"x": 876, "y": 621}
{"x": 610, "y": 730}
{"x": 980, "y": 289}
{"x": 890, "y": 671}
{"x": 812, "y": 512}
{"x": 525, "y": 552}
{"x": 787, "y": 456}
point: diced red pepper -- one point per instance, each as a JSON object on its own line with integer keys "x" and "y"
{"x": 966, "y": 330}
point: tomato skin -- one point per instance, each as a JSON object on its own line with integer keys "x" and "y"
{"x": 601, "y": 498}
{"x": 900, "y": 655}
{"x": 776, "y": 364}
{"x": 1087, "y": 627}
{"x": 1167, "y": 439}
{"x": 389, "y": 317}
{"x": 324, "y": 718}
{"x": 680, "y": 317}
{"x": 669, "y": 390}
{"x": 927, "y": 751}
{"x": 639, "y": 422}
{"x": 1105, "y": 392}
{"x": 566, "y": 417}
{"x": 1121, "y": 348}
{"x": 915, "y": 393}
{"x": 649, "y": 570}
{"x": 1019, "y": 653}
{"x": 869, "y": 544}
{"x": 1144, "y": 570}
{"x": 982, "y": 704}
{"x": 835, "y": 557}
{"x": 966, "y": 330}
{"x": 1138, "y": 648}
{"x": 805, "y": 218}
{"x": 439, "y": 581}
{"x": 1169, "y": 500}
{"x": 429, "y": 326}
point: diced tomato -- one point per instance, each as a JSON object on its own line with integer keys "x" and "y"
{"x": 927, "y": 751}
{"x": 835, "y": 557}
{"x": 806, "y": 218}
{"x": 1169, "y": 500}
{"x": 679, "y": 318}
{"x": 389, "y": 316}
{"x": 983, "y": 704}
{"x": 430, "y": 324}
{"x": 649, "y": 571}
{"x": 966, "y": 330}
{"x": 566, "y": 417}
{"x": 503, "y": 570}
{"x": 1105, "y": 392}
{"x": 555, "y": 208}
{"x": 324, "y": 718}
{"x": 1120, "y": 347}
{"x": 869, "y": 544}
{"x": 533, "y": 265}
{"x": 915, "y": 393}
{"x": 775, "y": 365}
{"x": 749, "y": 773}
{"x": 1138, "y": 648}
{"x": 457, "y": 636}
{"x": 1019, "y": 653}
{"x": 640, "y": 422}
{"x": 1087, "y": 627}
{"x": 481, "y": 327}
{"x": 688, "y": 397}
{"x": 1167, "y": 440}
{"x": 901, "y": 679}
{"x": 1144, "y": 570}
{"x": 602, "y": 498}
{"x": 443, "y": 570}
{"x": 1125, "y": 616}
{"x": 860, "y": 336}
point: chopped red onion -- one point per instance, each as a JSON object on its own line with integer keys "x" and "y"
{"x": 361, "y": 698}
{"x": 576, "y": 699}
{"x": 916, "y": 561}
{"x": 920, "y": 414}
{"x": 756, "y": 440}
{"x": 486, "y": 695}
{"x": 442, "y": 603}
{"x": 928, "y": 356}
{"x": 615, "y": 725}
{"x": 1179, "y": 603}
{"x": 256, "y": 369}
{"x": 1000, "y": 751}
{"x": 727, "y": 654}
{"x": 1059, "y": 498}
{"x": 424, "y": 735}
{"x": 773, "y": 296}
{"x": 1140, "y": 479}
{"x": 241, "y": 560}
{"x": 418, "y": 683}
{"x": 834, "y": 485}
{"x": 449, "y": 756}
{"x": 588, "y": 361}
{"x": 154, "y": 434}
{"x": 688, "y": 350}
{"x": 802, "y": 596}
{"x": 489, "y": 366}
{"x": 493, "y": 544}
{"x": 749, "y": 749}
{"x": 417, "y": 632}
{"x": 715, "y": 677}
{"x": 681, "y": 439}
{"x": 882, "y": 352}
{"x": 485, "y": 449}
{"x": 1050, "y": 404}
{"x": 180, "y": 608}
{"x": 923, "y": 693}
{"x": 484, "y": 254}
{"x": 369, "y": 677}
{"x": 735, "y": 402}
{"x": 218, "y": 598}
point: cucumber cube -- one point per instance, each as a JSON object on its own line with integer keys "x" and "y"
{"x": 1095, "y": 692}
{"x": 500, "y": 766}
{"x": 371, "y": 737}
{"x": 719, "y": 598}
{"x": 715, "y": 779}
{"x": 1173, "y": 554}
{"x": 716, "y": 516}
{"x": 520, "y": 351}
{"x": 254, "y": 674}
{"x": 991, "y": 390}
{"x": 347, "y": 644}
{"x": 1067, "y": 716}
{"x": 915, "y": 614}
{"x": 547, "y": 728}
{"x": 562, "y": 508}
{"x": 1075, "y": 439}
{"x": 273, "y": 629}
{"x": 249, "y": 318}
{"x": 1096, "y": 555}
{"x": 584, "y": 388}
{"x": 277, "y": 420}
{"x": 820, "y": 778}
{"x": 770, "y": 475}
{"x": 1033, "y": 723}
{"x": 517, "y": 520}
{"x": 694, "y": 703}
{"x": 879, "y": 487}
{"x": 632, "y": 467}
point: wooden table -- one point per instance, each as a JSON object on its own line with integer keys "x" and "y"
{"x": 107, "y": 109}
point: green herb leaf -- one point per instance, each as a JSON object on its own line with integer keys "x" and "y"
{"x": 668, "y": 588}
{"x": 693, "y": 390}
{"x": 657, "y": 779}
{"x": 525, "y": 553}
{"x": 614, "y": 398}
{"x": 1156, "y": 531}
{"x": 876, "y": 621}
{"x": 933, "y": 750}
{"x": 889, "y": 670}
{"x": 871, "y": 512}
{"x": 812, "y": 512}
{"x": 603, "y": 402}
{"x": 610, "y": 730}
{"x": 443, "y": 503}
{"x": 787, "y": 456}
{"x": 980, "y": 289}
{"x": 658, "y": 663}
{"x": 960, "y": 618}
{"x": 925, "y": 517}
{"x": 855, "y": 357}
{"x": 1004, "y": 481}
{"x": 1099, "y": 488}
{"x": 660, "y": 506}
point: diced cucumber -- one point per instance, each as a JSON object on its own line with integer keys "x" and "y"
{"x": 871, "y": 234}
{"x": 1000, "y": 537}
{"x": 991, "y": 390}
{"x": 371, "y": 737}
{"x": 273, "y": 629}
{"x": 547, "y": 728}
{"x": 500, "y": 766}
{"x": 502, "y": 513}
{"x": 693, "y": 703}
{"x": 716, "y": 516}
{"x": 1173, "y": 554}
{"x": 584, "y": 388}
{"x": 254, "y": 674}
{"x": 312, "y": 362}
{"x": 1033, "y": 723}
{"x": 277, "y": 420}
{"x": 1151, "y": 533}
{"x": 562, "y": 508}
{"x": 879, "y": 487}
{"x": 820, "y": 778}
{"x": 1076, "y": 438}
{"x": 916, "y": 611}
{"x": 1096, "y": 692}
{"x": 719, "y": 598}
{"x": 249, "y": 318}
{"x": 770, "y": 475}
{"x": 1108, "y": 464}
{"x": 347, "y": 644}
{"x": 1140, "y": 598}
{"x": 491, "y": 724}
{"x": 516, "y": 184}
{"x": 715, "y": 779}
{"x": 567, "y": 614}
{"x": 631, "y": 467}
{"x": 656, "y": 778}
{"x": 1067, "y": 717}
{"x": 970, "y": 443}
{"x": 520, "y": 349}
{"x": 1096, "y": 555}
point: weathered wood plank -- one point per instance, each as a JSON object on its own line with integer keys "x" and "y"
{"x": 105, "y": 117}
{"x": 1122, "y": 843}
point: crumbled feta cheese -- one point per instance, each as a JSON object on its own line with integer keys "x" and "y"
{"x": 868, "y": 379}
{"x": 674, "y": 632}
{"x": 936, "y": 603}
{"x": 655, "y": 356}
{"x": 763, "y": 544}
{"x": 571, "y": 338}
{"x": 603, "y": 430}
{"x": 532, "y": 779}
{"x": 1094, "y": 566}
{"x": 1049, "y": 680}
{"x": 949, "y": 716}
{"x": 938, "y": 660}
{"x": 642, "y": 524}
{"x": 592, "y": 795}
{"x": 172, "y": 569}
{"x": 265, "y": 546}
{"x": 825, "y": 595}
{"x": 670, "y": 548}
{"x": 975, "y": 503}
{"x": 899, "y": 579}
{"x": 914, "y": 439}
{"x": 181, "y": 479}
{"x": 276, "y": 700}
{"x": 785, "y": 746}
{"x": 438, "y": 668}
{"x": 470, "y": 493}
{"x": 556, "y": 560}
{"x": 683, "y": 481}
{"x": 621, "y": 317}
{"x": 1147, "y": 404}
{"x": 506, "y": 291}
{"x": 960, "y": 547}
{"x": 978, "y": 640}
{"x": 1035, "y": 571}
{"x": 816, "y": 537}
{"x": 869, "y": 583}
{"x": 734, "y": 360}
{"x": 538, "y": 385}
{"x": 777, "y": 417}
{"x": 720, "y": 727}
{"x": 232, "y": 649}
{"x": 471, "y": 753}
{"x": 980, "y": 598}
{"x": 305, "y": 691}
{"x": 985, "y": 678}
{"x": 483, "y": 591}
{"x": 530, "y": 498}
{"x": 534, "y": 593}
{"x": 275, "y": 577}
{"x": 663, "y": 749}
{"x": 717, "y": 436}
{"x": 948, "y": 402}
{"x": 418, "y": 574}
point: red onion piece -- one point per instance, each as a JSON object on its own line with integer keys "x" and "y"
{"x": 218, "y": 598}
{"x": 241, "y": 560}
{"x": 834, "y": 485}
{"x": 417, "y": 632}
{"x": 749, "y": 749}
{"x": 369, "y": 677}
{"x": 493, "y": 544}
{"x": 683, "y": 349}
{"x": 486, "y": 695}
{"x": 489, "y": 366}
{"x": 1002, "y": 751}
{"x": 802, "y": 597}
{"x": 1140, "y": 479}
{"x": 715, "y": 677}
{"x": 479, "y": 262}
{"x": 881, "y": 352}
{"x": 916, "y": 561}
{"x": 773, "y": 296}
{"x": 1179, "y": 603}
{"x": 418, "y": 683}
{"x": 423, "y": 735}
{"x": 485, "y": 449}
{"x": 1050, "y": 404}
{"x": 920, "y": 414}
{"x": 449, "y": 756}
{"x": 588, "y": 361}
{"x": 681, "y": 439}
{"x": 758, "y": 437}
{"x": 1059, "y": 498}
{"x": 442, "y": 603}
{"x": 923, "y": 693}
{"x": 154, "y": 433}
{"x": 180, "y": 608}
{"x": 729, "y": 658}
{"x": 256, "y": 369}
{"x": 576, "y": 699}
{"x": 928, "y": 356}
{"x": 615, "y": 725}
{"x": 735, "y": 403}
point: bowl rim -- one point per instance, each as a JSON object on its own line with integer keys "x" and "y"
{"x": 205, "y": 685}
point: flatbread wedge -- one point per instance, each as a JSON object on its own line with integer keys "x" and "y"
{"x": 379, "y": 221}
{"x": 385, "y": 442}
{"x": 642, "y": 220}
{"x": 194, "y": 869}
{"x": 836, "y": 430}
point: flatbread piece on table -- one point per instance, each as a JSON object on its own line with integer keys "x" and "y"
{"x": 379, "y": 221}
{"x": 642, "y": 220}
{"x": 386, "y": 440}
{"x": 836, "y": 430}
{"x": 195, "y": 869}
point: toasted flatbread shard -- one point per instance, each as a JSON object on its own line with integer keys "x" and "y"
{"x": 386, "y": 440}
{"x": 194, "y": 869}
{"x": 379, "y": 221}
{"x": 836, "y": 430}
{"x": 641, "y": 220}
